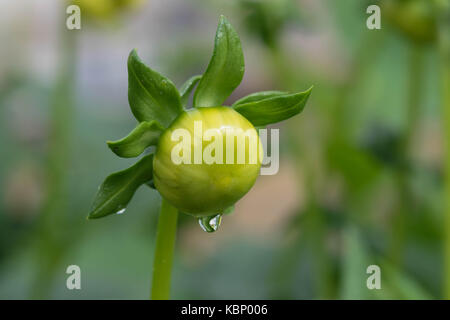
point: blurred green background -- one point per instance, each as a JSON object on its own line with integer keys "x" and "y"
{"x": 362, "y": 175}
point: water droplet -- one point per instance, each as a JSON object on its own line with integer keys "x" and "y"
{"x": 211, "y": 223}
{"x": 121, "y": 211}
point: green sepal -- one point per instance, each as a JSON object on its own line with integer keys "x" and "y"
{"x": 275, "y": 109}
{"x": 225, "y": 70}
{"x": 187, "y": 87}
{"x": 117, "y": 190}
{"x": 228, "y": 210}
{"x": 258, "y": 96}
{"x": 146, "y": 134}
{"x": 151, "y": 95}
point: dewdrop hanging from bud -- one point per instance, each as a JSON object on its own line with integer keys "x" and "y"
{"x": 210, "y": 224}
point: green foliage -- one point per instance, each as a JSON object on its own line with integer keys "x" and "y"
{"x": 187, "y": 88}
{"x": 274, "y": 109}
{"x": 118, "y": 188}
{"x": 151, "y": 95}
{"x": 225, "y": 70}
{"x": 146, "y": 134}
{"x": 258, "y": 96}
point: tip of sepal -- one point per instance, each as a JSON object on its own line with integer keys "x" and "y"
{"x": 305, "y": 97}
{"x": 112, "y": 145}
{"x": 93, "y": 216}
{"x": 309, "y": 89}
{"x": 90, "y": 217}
{"x": 133, "y": 56}
{"x": 223, "y": 21}
{"x": 307, "y": 92}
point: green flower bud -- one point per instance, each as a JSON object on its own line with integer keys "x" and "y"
{"x": 414, "y": 18}
{"x": 206, "y": 160}
{"x": 106, "y": 9}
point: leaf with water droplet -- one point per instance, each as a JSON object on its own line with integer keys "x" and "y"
{"x": 210, "y": 223}
{"x": 121, "y": 211}
{"x": 117, "y": 190}
{"x": 225, "y": 70}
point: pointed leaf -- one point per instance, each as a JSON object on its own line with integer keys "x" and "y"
{"x": 146, "y": 134}
{"x": 151, "y": 95}
{"x": 225, "y": 70}
{"x": 272, "y": 110}
{"x": 258, "y": 96}
{"x": 187, "y": 87}
{"x": 118, "y": 188}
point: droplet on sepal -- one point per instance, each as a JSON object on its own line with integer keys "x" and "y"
{"x": 211, "y": 223}
{"x": 121, "y": 211}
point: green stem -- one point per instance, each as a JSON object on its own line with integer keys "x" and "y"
{"x": 443, "y": 11}
{"x": 51, "y": 238}
{"x": 446, "y": 106}
{"x": 316, "y": 222}
{"x": 165, "y": 244}
{"x": 416, "y": 70}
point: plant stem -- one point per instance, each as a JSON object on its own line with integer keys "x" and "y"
{"x": 446, "y": 107}
{"x": 51, "y": 237}
{"x": 416, "y": 74}
{"x": 443, "y": 10}
{"x": 165, "y": 244}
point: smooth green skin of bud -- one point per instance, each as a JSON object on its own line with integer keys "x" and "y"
{"x": 206, "y": 189}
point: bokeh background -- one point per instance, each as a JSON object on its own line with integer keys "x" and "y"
{"x": 362, "y": 176}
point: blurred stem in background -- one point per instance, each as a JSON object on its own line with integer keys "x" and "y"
{"x": 315, "y": 223}
{"x": 165, "y": 245}
{"x": 52, "y": 227}
{"x": 405, "y": 199}
{"x": 365, "y": 55}
{"x": 339, "y": 132}
{"x": 286, "y": 76}
{"x": 443, "y": 11}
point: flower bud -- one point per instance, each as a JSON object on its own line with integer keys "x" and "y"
{"x": 106, "y": 9}
{"x": 207, "y": 160}
{"x": 414, "y": 18}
